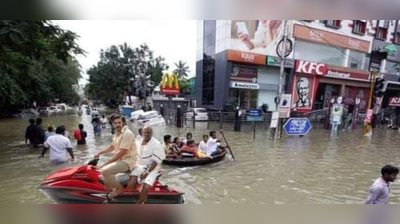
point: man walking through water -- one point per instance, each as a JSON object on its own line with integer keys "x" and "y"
{"x": 380, "y": 190}
{"x": 124, "y": 159}
{"x": 151, "y": 156}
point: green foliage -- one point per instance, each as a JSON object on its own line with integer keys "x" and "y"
{"x": 37, "y": 64}
{"x": 181, "y": 70}
{"x": 115, "y": 74}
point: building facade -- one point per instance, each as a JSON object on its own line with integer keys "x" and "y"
{"x": 237, "y": 63}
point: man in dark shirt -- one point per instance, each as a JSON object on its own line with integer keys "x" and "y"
{"x": 29, "y": 131}
{"x": 83, "y": 135}
{"x": 38, "y": 133}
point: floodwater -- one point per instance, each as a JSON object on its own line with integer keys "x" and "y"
{"x": 316, "y": 169}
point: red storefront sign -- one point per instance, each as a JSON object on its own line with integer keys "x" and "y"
{"x": 394, "y": 102}
{"x": 311, "y": 68}
{"x": 314, "y": 68}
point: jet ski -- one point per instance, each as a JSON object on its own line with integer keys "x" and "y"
{"x": 84, "y": 185}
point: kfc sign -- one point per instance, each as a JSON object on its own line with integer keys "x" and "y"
{"x": 312, "y": 68}
{"x": 394, "y": 102}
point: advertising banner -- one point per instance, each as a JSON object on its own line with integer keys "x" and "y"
{"x": 257, "y": 36}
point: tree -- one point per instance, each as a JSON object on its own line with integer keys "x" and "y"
{"x": 123, "y": 70}
{"x": 36, "y": 64}
{"x": 181, "y": 70}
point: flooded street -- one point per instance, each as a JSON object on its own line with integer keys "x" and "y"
{"x": 314, "y": 169}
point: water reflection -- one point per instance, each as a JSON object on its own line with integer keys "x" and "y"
{"x": 318, "y": 168}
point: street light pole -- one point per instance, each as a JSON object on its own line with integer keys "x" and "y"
{"x": 282, "y": 71}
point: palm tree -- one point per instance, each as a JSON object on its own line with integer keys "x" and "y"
{"x": 181, "y": 69}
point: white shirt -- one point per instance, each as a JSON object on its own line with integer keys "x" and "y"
{"x": 151, "y": 152}
{"x": 212, "y": 146}
{"x": 203, "y": 147}
{"x": 58, "y": 145}
{"x": 379, "y": 192}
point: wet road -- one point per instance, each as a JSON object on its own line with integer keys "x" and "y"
{"x": 315, "y": 169}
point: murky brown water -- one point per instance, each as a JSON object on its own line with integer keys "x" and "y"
{"x": 314, "y": 169}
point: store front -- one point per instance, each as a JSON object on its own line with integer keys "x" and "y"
{"x": 315, "y": 84}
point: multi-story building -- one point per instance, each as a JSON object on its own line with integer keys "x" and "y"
{"x": 237, "y": 61}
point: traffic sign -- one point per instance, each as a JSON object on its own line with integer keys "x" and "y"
{"x": 297, "y": 126}
{"x": 255, "y": 115}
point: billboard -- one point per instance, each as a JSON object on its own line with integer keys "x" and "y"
{"x": 257, "y": 36}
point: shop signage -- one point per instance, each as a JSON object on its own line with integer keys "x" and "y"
{"x": 244, "y": 74}
{"x": 244, "y": 85}
{"x": 325, "y": 37}
{"x": 246, "y": 57}
{"x": 394, "y": 102}
{"x": 170, "y": 85}
{"x": 312, "y": 68}
{"x": 276, "y": 62}
{"x": 297, "y": 126}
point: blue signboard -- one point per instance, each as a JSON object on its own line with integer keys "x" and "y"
{"x": 255, "y": 115}
{"x": 297, "y": 126}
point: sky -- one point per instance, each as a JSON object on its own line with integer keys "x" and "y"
{"x": 173, "y": 39}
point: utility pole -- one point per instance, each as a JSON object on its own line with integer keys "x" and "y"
{"x": 367, "y": 127}
{"x": 282, "y": 72}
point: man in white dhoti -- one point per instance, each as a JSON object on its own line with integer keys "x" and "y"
{"x": 151, "y": 156}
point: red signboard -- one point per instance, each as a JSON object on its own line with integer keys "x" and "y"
{"x": 312, "y": 68}
{"x": 394, "y": 102}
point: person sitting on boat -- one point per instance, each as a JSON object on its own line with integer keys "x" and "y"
{"x": 191, "y": 150}
{"x": 189, "y": 136}
{"x": 203, "y": 144}
{"x": 151, "y": 157}
{"x": 213, "y": 144}
{"x": 177, "y": 142}
{"x": 124, "y": 160}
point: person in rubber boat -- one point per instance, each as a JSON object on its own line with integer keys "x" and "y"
{"x": 213, "y": 144}
{"x": 190, "y": 148}
{"x": 125, "y": 157}
{"x": 171, "y": 150}
{"x": 189, "y": 136}
{"x": 151, "y": 156}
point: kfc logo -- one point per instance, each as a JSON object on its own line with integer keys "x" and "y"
{"x": 312, "y": 68}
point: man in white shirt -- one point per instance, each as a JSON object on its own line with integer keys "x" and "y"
{"x": 59, "y": 146}
{"x": 151, "y": 156}
{"x": 212, "y": 144}
{"x": 203, "y": 145}
{"x": 380, "y": 189}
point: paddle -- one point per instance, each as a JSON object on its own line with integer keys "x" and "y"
{"x": 227, "y": 144}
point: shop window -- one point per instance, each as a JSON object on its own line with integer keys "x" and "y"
{"x": 396, "y": 38}
{"x": 392, "y": 67}
{"x": 320, "y": 53}
{"x": 359, "y": 27}
{"x": 382, "y": 29}
{"x": 333, "y": 23}
{"x": 357, "y": 60}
